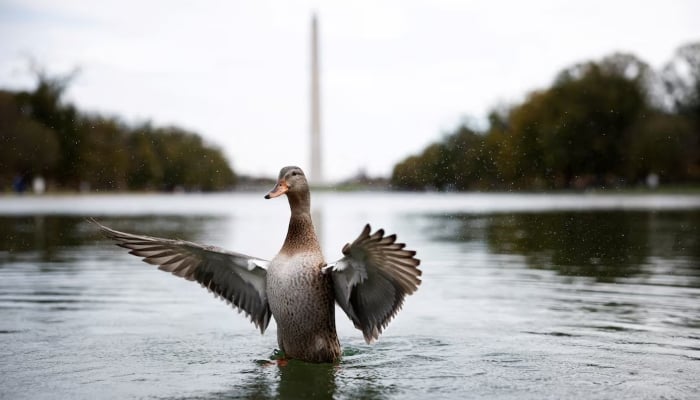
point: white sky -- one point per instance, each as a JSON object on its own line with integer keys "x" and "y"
{"x": 396, "y": 75}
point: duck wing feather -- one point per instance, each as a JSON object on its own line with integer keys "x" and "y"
{"x": 236, "y": 278}
{"x": 372, "y": 280}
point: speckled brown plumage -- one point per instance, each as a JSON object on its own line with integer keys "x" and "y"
{"x": 297, "y": 288}
{"x": 299, "y": 293}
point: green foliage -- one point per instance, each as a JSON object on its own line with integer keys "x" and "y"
{"x": 40, "y": 135}
{"x": 26, "y": 146}
{"x": 663, "y": 145}
{"x": 44, "y": 106}
{"x": 599, "y": 124}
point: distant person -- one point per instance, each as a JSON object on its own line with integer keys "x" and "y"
{"x": 19, "y": 183}
{"x": 38, "y": 185}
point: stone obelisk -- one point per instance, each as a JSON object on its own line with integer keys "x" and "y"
{"x": 316, "y": 176}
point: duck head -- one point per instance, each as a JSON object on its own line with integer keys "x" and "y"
{"x": 291, "y": 182}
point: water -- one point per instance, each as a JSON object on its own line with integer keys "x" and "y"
{"x": 523, "y": 296}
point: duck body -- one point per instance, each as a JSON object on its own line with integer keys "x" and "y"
{"x": 297, "y": 287}
{"x": 300, "y": 294}
{"x": 302, "y": 302}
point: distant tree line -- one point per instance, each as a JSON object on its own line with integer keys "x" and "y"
{"x": 40, "y": 135}
{"x": 608, "y": 123}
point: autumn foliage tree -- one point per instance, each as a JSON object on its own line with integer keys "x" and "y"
{"x": 601, "y": 124}
{"x": 41, "y": 135}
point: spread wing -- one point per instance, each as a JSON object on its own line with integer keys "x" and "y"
{"x": 236, "y": 278}
{"x": 373, "y": 279}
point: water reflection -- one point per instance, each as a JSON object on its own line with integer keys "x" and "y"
{"x": 291, "y": 380}
{"x": 300, "y": 380}
{"x": 604, "y": 245}
{"x": 54, "y": 238}
{"x": 303, "y": 380}
{"x": 501, "y": 302}
{"x": 601, "y": 245}
{"x": 43, "y": 235}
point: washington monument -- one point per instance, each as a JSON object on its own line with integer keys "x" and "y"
{"x": 316, "y": 176}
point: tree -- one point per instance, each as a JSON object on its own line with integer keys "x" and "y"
{"x": 406, "y": 174}
{"x": 682, "y": 79}
{"x": 40, "y": 134}
{"x": 662, "y": 146}
{"x": 105, "y": 155}
{"x": 681, "y": 76}
{"x": 145, "y": 171}
{"x": 577, "y": 130}
{"x": 27, "y": 148}
{"x": 467, "y": 155}
{"x": 45, "y": 106}
{"x": 599, "y": 123}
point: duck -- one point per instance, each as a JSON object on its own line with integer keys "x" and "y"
{"x": 296, "y": 288}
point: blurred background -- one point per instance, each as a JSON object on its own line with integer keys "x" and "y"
{"x": 542, "y": 158}
{"x": 443, "y": 95}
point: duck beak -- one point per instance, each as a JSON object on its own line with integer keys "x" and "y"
{"x": 279, "y": 189}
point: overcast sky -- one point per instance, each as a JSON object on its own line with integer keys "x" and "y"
{"x": 395, "y": 75}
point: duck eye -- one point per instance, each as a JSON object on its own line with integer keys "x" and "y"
{"x": 295, "y": 173}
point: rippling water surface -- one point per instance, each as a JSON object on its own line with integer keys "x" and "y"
{"x": 523, "y": 296}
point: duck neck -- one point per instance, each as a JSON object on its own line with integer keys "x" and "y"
{"x": 301, "y": 235}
